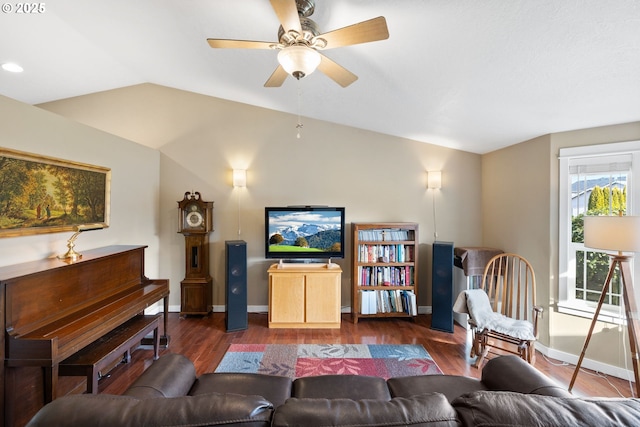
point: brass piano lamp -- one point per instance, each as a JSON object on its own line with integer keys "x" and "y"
{"x": 71, "y": 254}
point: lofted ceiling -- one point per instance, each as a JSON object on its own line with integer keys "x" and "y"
{"x": 466, "y": 74}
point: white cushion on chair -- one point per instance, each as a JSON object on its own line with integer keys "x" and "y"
{"x": 521, "y": 329}
{"x": 480, "y": 311}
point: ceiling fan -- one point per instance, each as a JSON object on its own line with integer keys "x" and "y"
{"x": 299, "y": 43}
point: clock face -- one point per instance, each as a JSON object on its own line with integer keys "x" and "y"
{"x": 195, "y": 215}
{"x": 195, "y": 218}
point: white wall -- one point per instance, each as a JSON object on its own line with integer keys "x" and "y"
{"x": 507, "y": 198}
{"x": 375, "y": 177}
{"x": 135, "y": 173}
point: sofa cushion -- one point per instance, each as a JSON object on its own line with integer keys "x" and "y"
{"x": 491, "y": 408}
{"x": 341, "y": 387}
{"x": 431, "y": 410}
{"x": 108, "y": 410}
{"x": 170, "y": 376}
{"x": 511, "y": 373}
{"x": 276, "y": 389}
{"x": 451, "y": 386}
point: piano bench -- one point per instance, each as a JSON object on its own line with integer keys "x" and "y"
{"x": 117, "y": 344}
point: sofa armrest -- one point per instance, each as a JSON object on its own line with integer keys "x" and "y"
{"x": 104, "y": 410}
{"x": 490, "y": 408}
{"x": 170, "y": 376}
{"x": 511, "y": 373}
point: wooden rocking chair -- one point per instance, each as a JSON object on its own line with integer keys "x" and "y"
{"x": 510, "y": 285}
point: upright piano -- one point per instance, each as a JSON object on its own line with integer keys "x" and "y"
{"x": 52, "y": 308}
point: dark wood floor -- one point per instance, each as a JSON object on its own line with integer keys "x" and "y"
{"x": 204, "y": 341}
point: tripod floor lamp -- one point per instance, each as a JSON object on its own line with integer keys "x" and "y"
{"x": 621, "y": 234}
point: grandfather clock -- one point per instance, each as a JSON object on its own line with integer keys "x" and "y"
{"x": 195, "y": 223}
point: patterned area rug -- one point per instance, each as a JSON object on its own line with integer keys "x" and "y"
{"x": 302, "y": 360}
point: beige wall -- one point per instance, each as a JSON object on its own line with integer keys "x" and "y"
{"x": 609, "y": 344}
{"x": 506, "y": 199}
{"x": 520, "y": 213}
{"x": 515, "y": 209}
{"x": 134, "y": 184}
{"x": 375, "y": 177}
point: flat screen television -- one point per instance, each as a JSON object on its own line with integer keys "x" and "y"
{"x": 304, "y": 232}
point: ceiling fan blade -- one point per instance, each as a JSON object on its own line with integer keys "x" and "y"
{"x": 239, "y": 44}
{"x": 287, "y": 12}
{"x": 336, "y": 72}
{"x": 277, "y": 78}
{"x": 363, "y": 32}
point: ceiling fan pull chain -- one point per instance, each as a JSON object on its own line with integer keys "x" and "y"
{"x": 299, "y": 125}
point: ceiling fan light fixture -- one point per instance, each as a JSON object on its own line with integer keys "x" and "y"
{"x": 299, "y": 61}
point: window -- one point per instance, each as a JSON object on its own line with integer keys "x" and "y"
{"x": 594, "y": 180}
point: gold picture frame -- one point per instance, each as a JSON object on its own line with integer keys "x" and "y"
{"x": 40, "y": 194}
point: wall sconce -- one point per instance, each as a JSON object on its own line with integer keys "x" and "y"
{"x": 239, "y": 178}
{"x": 71, "y": 254}
{"x": 239, "y": 181}
{"x": 434, "y": 180}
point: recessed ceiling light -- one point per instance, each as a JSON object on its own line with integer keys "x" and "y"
{"x": 12, "y": 67}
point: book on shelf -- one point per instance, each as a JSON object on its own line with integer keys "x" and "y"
{"x": 385, "y": 253}
{"x": 384, "y": 269}
{"x": 367, "y": 302}
{"x": 388, "y": 301}
{"x": 385, "y": 234}
{"x": 412, "y": 303}
{"x": 386, "y": 275}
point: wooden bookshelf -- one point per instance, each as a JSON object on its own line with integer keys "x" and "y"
{"x": 384, "y": 270}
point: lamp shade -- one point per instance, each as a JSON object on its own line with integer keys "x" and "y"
{"x": 239, "y": 178}
{"x": 434, "y": 179}
{"x": 612, "y": 233}
{"x": 299, "y": 61}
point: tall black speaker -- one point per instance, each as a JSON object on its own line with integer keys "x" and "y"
{"x": 236, "y": 282}
{"x": 442, "y": 287}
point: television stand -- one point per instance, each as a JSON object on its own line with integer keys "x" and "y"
{"x": 281, "y": 264}
{"x": 304, "y": 295}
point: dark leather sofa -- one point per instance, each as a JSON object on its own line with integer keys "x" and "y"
{"x": 510, "y": 393}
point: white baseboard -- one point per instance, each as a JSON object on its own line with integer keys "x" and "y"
{"x": 421, "y": 309}
{"x": 216, "y": 309}
{"x": 260, "y": 309}
{"x": 250, "y": 309}
{"x": 256, "y": 309}
{"x": 594, "y": 365}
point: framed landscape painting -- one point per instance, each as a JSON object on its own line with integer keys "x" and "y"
{"x": 47, "y": 195}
